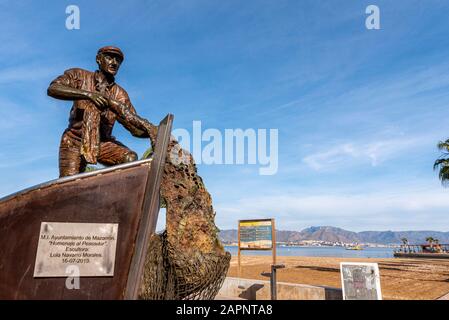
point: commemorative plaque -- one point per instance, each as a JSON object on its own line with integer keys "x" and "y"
{"x": 88, "y": 246}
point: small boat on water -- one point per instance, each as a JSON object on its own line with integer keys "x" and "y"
{"x": 357, "y": 247}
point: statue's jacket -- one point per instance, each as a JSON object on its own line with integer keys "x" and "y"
{"x": 86, "y": 122}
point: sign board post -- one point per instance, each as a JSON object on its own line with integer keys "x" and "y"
{"x": 239, "y": 253}
{"x": 360, "y": 281}
{"x": 258, "y": 234}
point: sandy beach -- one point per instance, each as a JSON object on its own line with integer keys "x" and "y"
{"x": 417, "y": 279}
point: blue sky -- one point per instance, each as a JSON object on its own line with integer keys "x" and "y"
{"x": 359, "y": 111}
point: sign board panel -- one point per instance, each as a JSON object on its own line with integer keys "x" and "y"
{"x": 360, "y": 281}
{"x": 90, "y": 247}
{"x": 256, "y": 234}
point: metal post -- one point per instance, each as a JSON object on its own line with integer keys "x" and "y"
{"x": 239, "y": 270}
{"x": 273, "y": 282}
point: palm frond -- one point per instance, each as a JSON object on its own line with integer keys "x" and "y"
{"x": 444, "y": 175}
{"x": 90, "y": 169}
{"x": 442, "y": 162}
{"x": 443, "y": 145}
{"x": 147, "y": 153}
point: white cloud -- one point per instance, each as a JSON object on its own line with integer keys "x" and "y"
{"x": 388, "y": 210}
{"x": 12, "y": 116}
{"x": 27, "y": 73}
{"x": 16, "y": 161}
{"x": 373, "y": 153}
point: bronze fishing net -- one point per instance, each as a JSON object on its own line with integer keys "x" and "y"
{"x": 187, "y": 260}
{"x": 172, "y": 274}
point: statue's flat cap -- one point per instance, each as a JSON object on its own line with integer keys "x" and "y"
{"x": 113, "y": 50}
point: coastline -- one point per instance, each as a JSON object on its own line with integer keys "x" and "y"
{"x": 320, "y": 251}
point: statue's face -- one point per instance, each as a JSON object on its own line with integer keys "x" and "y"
{"x": 109, "y": 63}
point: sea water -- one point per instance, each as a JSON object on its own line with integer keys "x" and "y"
{"x": 368, "y": 252}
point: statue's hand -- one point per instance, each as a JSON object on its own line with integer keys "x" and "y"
{"x": 99, "y": 100}
{"x": 151, "y": 129}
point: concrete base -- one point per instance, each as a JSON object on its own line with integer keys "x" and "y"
{"x": 252, "y": 289}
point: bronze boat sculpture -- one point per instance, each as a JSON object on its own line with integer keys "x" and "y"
{"x": 184, "y": 262}
{"x": 187, "y": 261}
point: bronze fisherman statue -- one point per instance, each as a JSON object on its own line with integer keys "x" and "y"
{"x": 98, "y": 103}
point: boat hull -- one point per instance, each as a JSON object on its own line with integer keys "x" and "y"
{"x": 97, "y": 197}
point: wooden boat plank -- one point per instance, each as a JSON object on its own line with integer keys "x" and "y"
{"x": 76, "y": 177}
{"x": 150, "y": 209}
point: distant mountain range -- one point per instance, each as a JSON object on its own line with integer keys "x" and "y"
{"x": 333, "y": 234}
